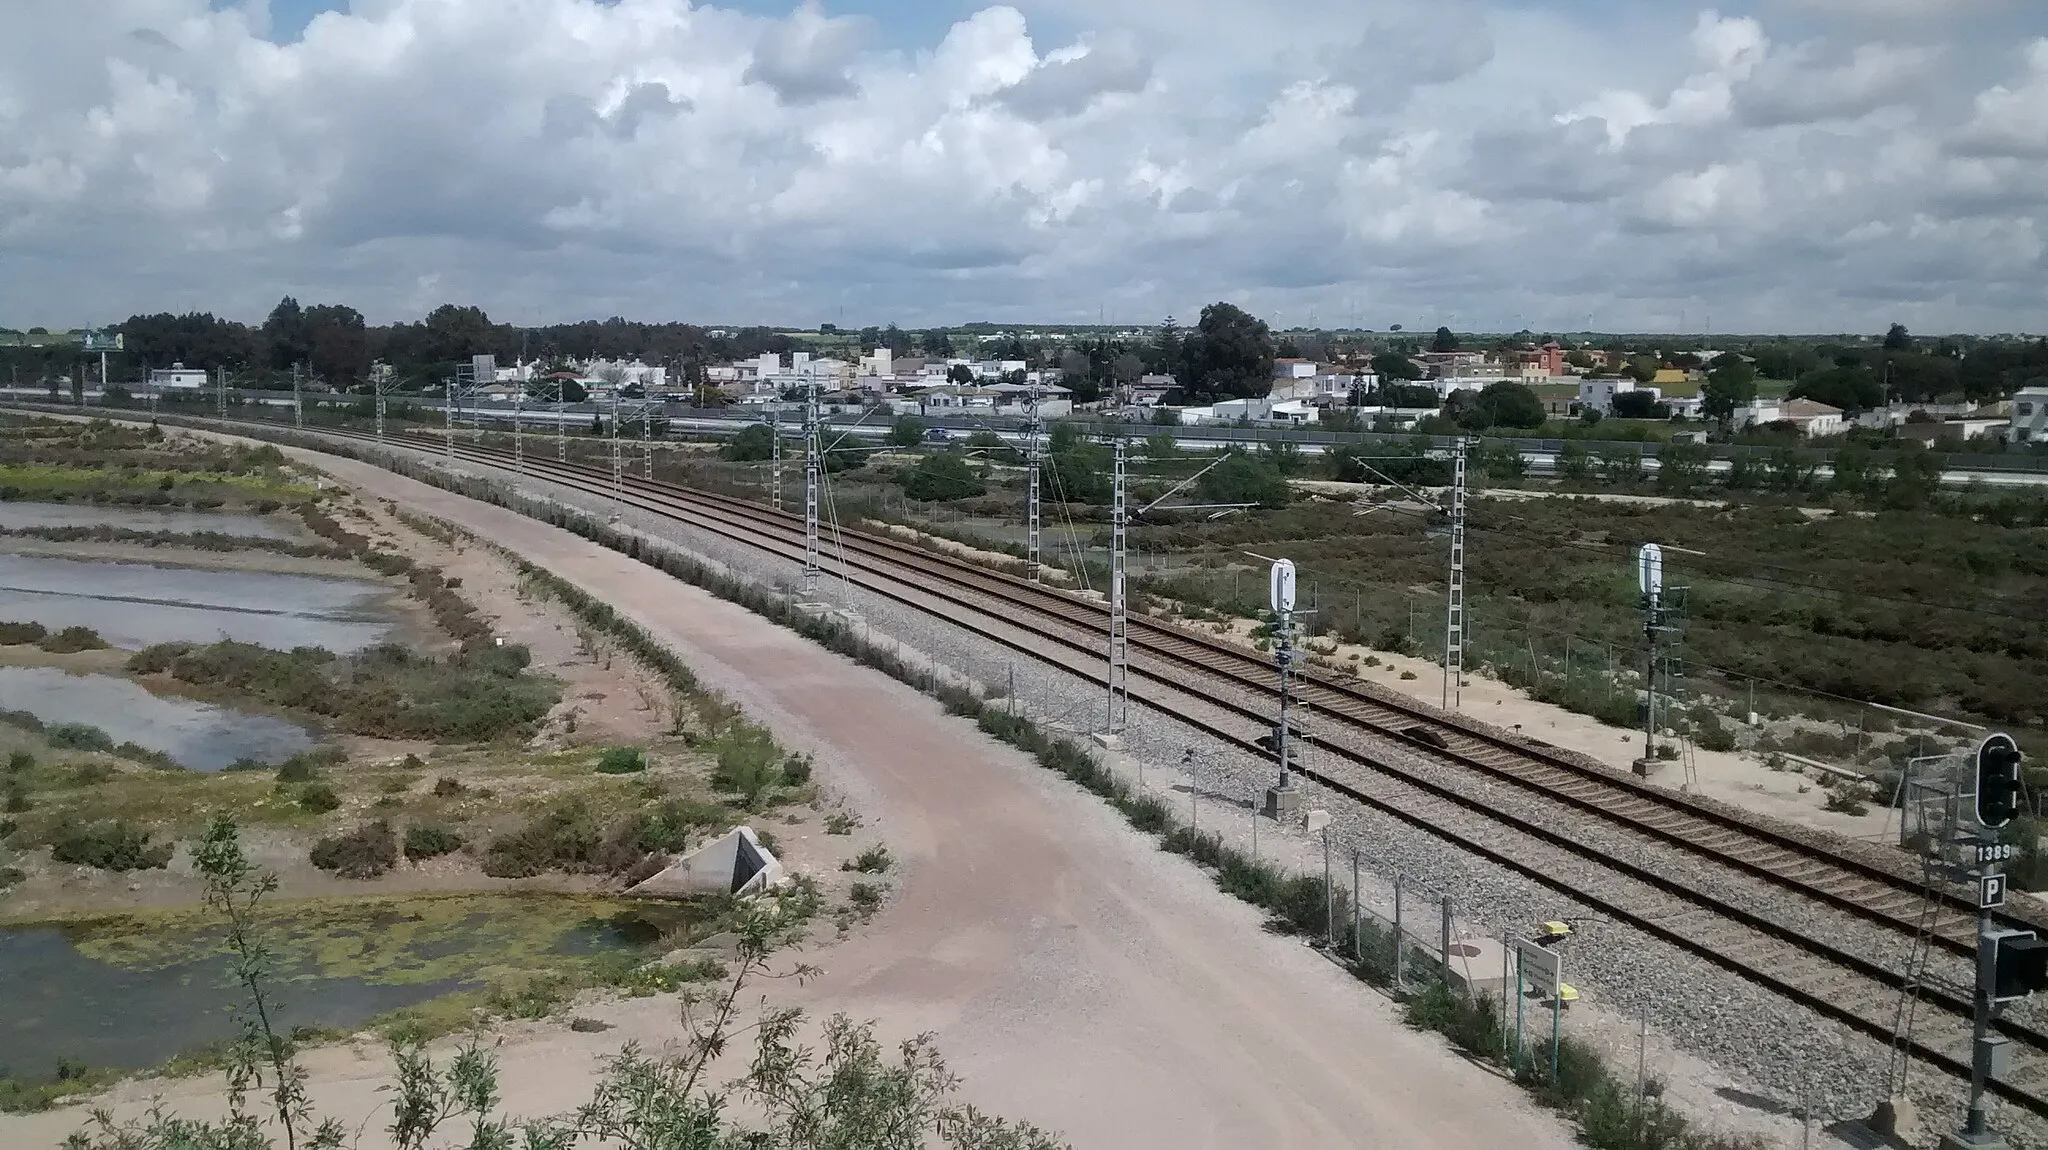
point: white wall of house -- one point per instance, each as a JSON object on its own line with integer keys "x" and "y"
{"x": 177, "y": 377}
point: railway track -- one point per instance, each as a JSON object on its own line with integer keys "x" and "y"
{"x": 1796, "y": 961}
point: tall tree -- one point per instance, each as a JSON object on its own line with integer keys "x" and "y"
{"x": 1897, "y": 339}
{"x": 1731, "y": 384}
{"x": 337, "y": 344}
{"x": 1167, "y": 351}
{"x": 1231, "y": 353}
{"x": 455, "y": 333}
{"x": 284, "y": 335}
{"x": 1443, "y": 340}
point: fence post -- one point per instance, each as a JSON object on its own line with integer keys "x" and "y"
{"x": 1447, "y": 938}
{"x": 1397, "y": 932}
{"x": 1329, "y": 895}
{"x": 1357, "y": 922}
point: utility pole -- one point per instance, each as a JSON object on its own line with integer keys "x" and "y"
{"x": 1119, "y": 621}
{"x": 646, "y": 437}
{"x": 220, "y": 394}
{"x": 298, "y": 405}
{"x": 813, "y": 444}
{"x": 1454, "y": 593}
{"x": 448, "y": 418}
{"x": 561, "y": 421}
{"x": 1283, "y": 798}
{"x": 377, "y": 387}
{"x": 519, "y": 427}
{"x": 775, "y": 454}
{"x": 618, "y": 461}
{"x": 1650, "y": 578}
{"x": 1032, "y": 429}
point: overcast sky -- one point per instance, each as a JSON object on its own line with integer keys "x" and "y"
{"x": 1635, "y": 165}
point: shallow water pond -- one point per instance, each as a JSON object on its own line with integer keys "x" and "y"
{"x": 198, "y": 735}
{"x": 133, "y": 992}
{"x": 15, "y": 513}
{"x": 133, "y": 605}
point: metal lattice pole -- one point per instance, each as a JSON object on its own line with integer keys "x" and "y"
{"x": 220, "y": 394}
{"x": 1283, "y": 745}
{"x": 646, "y": 439}
{"x": 519, "y": 428}
{"x": 1032, "y": 460}
{"x": 448, "y": 419}
{"x": 1454, "y": 595}
{"x": 380, "y": 411}
{"x": 618, "y": 460}
{"x": 561, "y": 422}
{"x": 775, "y": 454}
{"x": 1119, "y": 622}
{"x": 813, "y": 446}
{"x": 298, "y": 405}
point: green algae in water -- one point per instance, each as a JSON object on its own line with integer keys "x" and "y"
{"x": 134, "y": 991}
{"x": 468, "y": 938}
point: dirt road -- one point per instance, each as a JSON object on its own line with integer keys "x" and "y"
{"x": 1073, "y": 974}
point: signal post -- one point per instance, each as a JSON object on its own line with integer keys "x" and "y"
{"x": 2011, "y": 964}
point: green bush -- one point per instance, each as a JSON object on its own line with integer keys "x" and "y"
{"x": 749, "y": 764}
{"x": 1848, "y": 799}
{"x": 387, "y": 691}
{"x": 622, "y": 761}
{"x": 796, "y": 770}
{"x": 113, "y": 845}
{"x": 72, "y": 640}
{"x": 318, "y": 799}
{"x": 565, "y": 837}
{"x": 20, "y": 761}
{"x": 78, "y": 737}
{"x": 297, "y": 769}
{"x": 448, "y": 786}
{"x": 874, "y": 860}
{"x": 1713, "y": 735}
{"x": 431, "y": 840}
{"x": 942, "y": 477}
{"x": 18, "y": 634}
{"x": 366, "y": 852}
{"x": 669, "y": 828}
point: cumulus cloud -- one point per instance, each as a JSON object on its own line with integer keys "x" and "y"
{"x": 1041, "y": 159}
{"x": 2012, "y": 121}
{"x": 1797, "y": 86}
{"x": 1068, "y": 81}
{"x": 809, "y": 57}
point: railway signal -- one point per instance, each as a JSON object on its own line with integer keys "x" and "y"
{"x": 2011, "y": 964}
{"x": 1998, "y": 780}
{"x": 2016, "y": 963}
{"x": 1283, "y": 798}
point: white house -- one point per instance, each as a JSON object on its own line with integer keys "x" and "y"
{"x": 1598, "y": 394}
{"x": 957, "y": 397}
{"x": 1814, "y": 419}
{"x": 877, "y": 362}
{"x": 2029, "y": 417}
{"x": 648, "y": 376}
{"x": 1294, "y": 369}
{"x": 177, "y": 377}
{"x": 1054, "y": 401}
